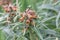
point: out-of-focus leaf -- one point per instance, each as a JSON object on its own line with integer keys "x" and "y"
{"x": 49, "y": 7}
{"x": 3, "y": 17}
{"x": 22, "y": 38}
{"x": 2, "y": 35}
{"x": 15, "y": 18}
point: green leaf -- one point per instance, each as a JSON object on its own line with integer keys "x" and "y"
{"x": 2, "y": 35}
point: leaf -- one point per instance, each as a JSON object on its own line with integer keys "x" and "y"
{"x": 23, "y": 5}
{"x": 38, "y": 33}
{"x": 3, "y": 17}
{"x": 15, "y": 18}
{"x": 2, "y": 35}
{"x": 49, "y": 7}
{"x": 22, "y": 38}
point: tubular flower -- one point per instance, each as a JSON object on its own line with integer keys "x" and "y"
{"x": 27, "y": 22}
{"x": 9, "y": 8}
{"x": 21, "y": 19}
{"x": 6, "y": 8}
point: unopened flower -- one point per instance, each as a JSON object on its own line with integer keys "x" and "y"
{"x": 31, "y": 12}
{"x": 21, "y": 19}
{"x": 34, "y": 16}
{"x": 27, "y": 22}
{"x": 29, "y": 16}
{"x": 0, "y": 3}
{"x": 23, "y": 14}
{"x": 6, "y": 8}
{"x": 12, "y": 15}
{"x": 14, "y": 8}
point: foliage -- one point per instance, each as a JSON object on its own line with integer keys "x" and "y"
{"x": 47, "y": 25}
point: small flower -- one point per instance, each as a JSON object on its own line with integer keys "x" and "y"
{"x": 34, "y": 16}
{"x": 0, "y": 3}
{"x": 4, "y": 2}
{"x": 12, "y": 14}
{"x": 30, "y": 16}
{"x": 27, "y": 22}
{"x": 14, "y": 8}
{"x": 21, "y": 19}
{"x": 21, "y": 15}
{"x": 6, "y": 8}
{"x": 27, "y": 9}
{"x": 31, "y": 12}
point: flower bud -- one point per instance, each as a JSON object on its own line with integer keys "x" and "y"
{"x": 7, "y": 9}
{"x": 21, "y": 19}
{"x": 27, "y": 22}
{"x": 14, "y": 8}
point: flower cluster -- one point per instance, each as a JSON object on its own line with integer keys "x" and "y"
{"x": 4, "y": 2}
{"x": 8, "y": 7}
{"x": 29, "y": 15}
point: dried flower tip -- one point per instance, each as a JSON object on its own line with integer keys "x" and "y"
{"x": 34, "y": 16}
{"x": 30, "y": 16}
{"x": 27, "y": 22}
{"x": 14, "y": 8}
{"x": 4, "y": 2}
{"x": 27, "y": 9}
{"x": 31, "y": 12}
{"x": 21, "y": 19}
{"x": 21, "y": 15}
{"x": 0, "y": 3}
{"x": 6, "y": 8}
{"x": 12, "y": 14}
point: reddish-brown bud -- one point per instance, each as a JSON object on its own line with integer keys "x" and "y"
{"x": 21, "y": 19}
{"x": 6, "y": 8}
{"x": 14, "y": 8}
{"x": 27, "y": 22}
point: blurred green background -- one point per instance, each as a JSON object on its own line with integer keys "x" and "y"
{"x": 47, "y": 24}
